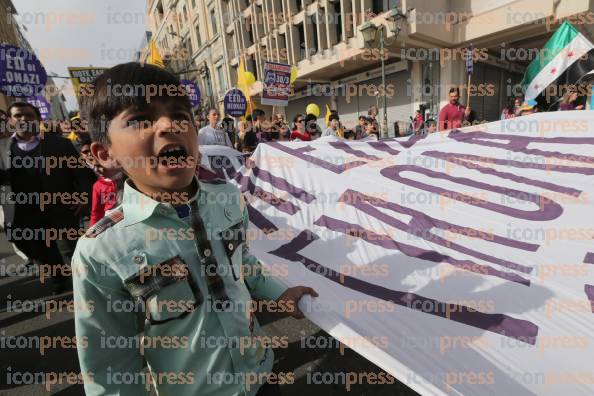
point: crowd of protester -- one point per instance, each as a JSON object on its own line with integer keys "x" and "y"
{"x": 21, "y": 127}
{"x": 257, "y": 127}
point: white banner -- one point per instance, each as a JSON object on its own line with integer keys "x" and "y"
{"x": 459, "y": 263}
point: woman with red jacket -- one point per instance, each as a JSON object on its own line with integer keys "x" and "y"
{"x": 299, "y": 131}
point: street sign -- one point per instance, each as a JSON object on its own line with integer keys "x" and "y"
{"x": 193, "y": 92}
{"x": 235, "y": 103}
{"x": 42, "y": 104}
{"x": 277, "y": 84}
{"x": 21, "y": 73}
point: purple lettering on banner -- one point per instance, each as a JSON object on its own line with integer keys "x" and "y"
{"x": 465, "y": 160}
{"x": 502, "y": 324}
{"x": 386, "y": 242}
{"x": 260, "y": 221}
{"x": 589, "y": 289}
{"x": 406, "y": 143}
{"x": 299, "y": 153}
{"x": 350, "y": 150}
{"x": 246, "y": 185}
{"x": 589, "y": 259}
{"x": 520, "y": 143}
{"x": 284, "y": 185}
{"x": 383, "y": 146}
{"x": 548, "y": 210}
{"x": 421, "y": 225}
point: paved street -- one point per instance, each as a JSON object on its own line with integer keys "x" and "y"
{"x": 303, "y": 361}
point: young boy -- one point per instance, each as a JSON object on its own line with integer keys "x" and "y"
{"x": 171, "y": 263}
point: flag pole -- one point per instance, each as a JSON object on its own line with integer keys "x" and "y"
{"x": 469, "y": 70}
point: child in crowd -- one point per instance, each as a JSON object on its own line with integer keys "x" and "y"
{"x": 168, "y": 271}
{"x": 104, "y": 196}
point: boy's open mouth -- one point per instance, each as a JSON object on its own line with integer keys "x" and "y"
{"x": 173, "y": 156}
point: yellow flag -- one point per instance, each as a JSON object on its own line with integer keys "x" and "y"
{"x": 244, "y": 86}
{"x": 154, "y": 55}
{"x": 242, "y": 80}
{"x": 328, "y": 113}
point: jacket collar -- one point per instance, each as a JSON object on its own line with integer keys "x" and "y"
{"x": 138, "y": 207}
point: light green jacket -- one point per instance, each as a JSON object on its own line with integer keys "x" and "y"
{"x": 189, "y": 352}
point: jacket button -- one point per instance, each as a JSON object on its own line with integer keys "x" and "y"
{"x": 228, "y": 213}
{"x": 231, "y": 246}
{"x": 138, "y": 259}
{"x": 207, "y": 252}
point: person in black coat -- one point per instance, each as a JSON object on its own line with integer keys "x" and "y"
{"x": 45, "y": 188}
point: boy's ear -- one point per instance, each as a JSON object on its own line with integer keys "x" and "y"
{"x": 103, "y": 156}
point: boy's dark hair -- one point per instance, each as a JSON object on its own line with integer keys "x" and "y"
{"x": 17, "y": 105}
{"x": 333, "y": 117}
{"x": 248, "y": 118}
{"x": 430, "y": 122}
{"x": 103, "y": 106}
{"x": 362, "y": 117}
{"x": 455, "y": 89}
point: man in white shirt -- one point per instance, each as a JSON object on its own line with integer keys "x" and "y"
{"x": 212, "y": 135}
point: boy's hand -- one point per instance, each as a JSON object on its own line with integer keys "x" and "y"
{"x": 292, "y": 296}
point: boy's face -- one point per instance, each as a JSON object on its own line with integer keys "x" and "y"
{"x": 157, "y": 147}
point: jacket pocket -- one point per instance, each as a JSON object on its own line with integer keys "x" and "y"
{"x": 166, "y": 289}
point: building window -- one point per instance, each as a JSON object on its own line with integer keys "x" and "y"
{"x": 213, "y": 21}
{"x": 301, "y": 33}
{"x": 338, "y": 21}
{"x": 381, "y": 6}
{"x": 198, "y": 38}
{"x": 221, "y": 77}
{"x": 314, "y": 29}
{"x": 248, "y": 25}
{"x": 193, "y": 3}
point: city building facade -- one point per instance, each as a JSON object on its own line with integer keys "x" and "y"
{"x": 424, "y": 55}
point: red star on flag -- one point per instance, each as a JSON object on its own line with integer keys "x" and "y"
{"x": 570, "y": 54}
{"x": 553, "y": 71}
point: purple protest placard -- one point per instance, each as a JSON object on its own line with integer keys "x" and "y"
{"x": 193, "y": 92}
{"x": 21, "y": 73}
{"x": 235, "y": 103}
{"x": 42, "y": 104}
